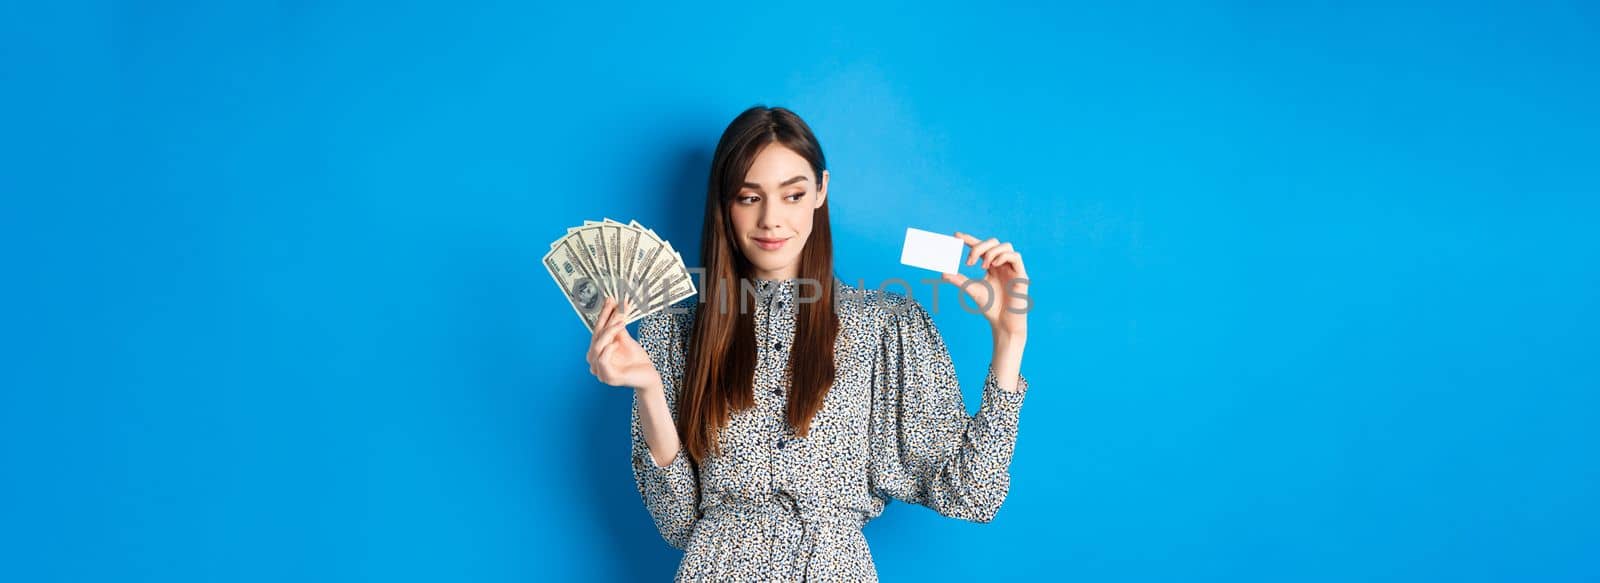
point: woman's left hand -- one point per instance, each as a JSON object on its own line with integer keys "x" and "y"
{"x": 1007, "y": 311}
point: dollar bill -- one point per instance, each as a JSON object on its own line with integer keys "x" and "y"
{"x": 624, "y": 261}
{"x": 581, "y": 288}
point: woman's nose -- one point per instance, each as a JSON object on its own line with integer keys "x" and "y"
{"x": 769, "y": 214}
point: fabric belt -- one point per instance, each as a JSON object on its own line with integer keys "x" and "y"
{"x": 785, "y": 504}
{"x": 812, "y": 516}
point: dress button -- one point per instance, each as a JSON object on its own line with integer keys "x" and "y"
{"x": 777, "y": 345}
{"x": 780, "y": 444}
{"x": 777, "y": 392}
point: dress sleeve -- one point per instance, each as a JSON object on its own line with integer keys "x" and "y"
{"x": 925, "y": 448}
{"x": 670, "y": 493}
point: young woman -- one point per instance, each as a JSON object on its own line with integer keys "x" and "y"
{"x": 782, "y": 409}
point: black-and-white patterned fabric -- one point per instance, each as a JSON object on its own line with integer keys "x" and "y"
{"x": 772, "y": 506}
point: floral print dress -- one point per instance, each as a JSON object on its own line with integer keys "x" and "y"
{"x": 773, "y": 506}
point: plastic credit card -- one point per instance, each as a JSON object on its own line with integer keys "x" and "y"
{"x": 929, "y": 250}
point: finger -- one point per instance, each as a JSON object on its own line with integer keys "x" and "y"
{"x": 605, "y": 355}
{"x": 616, "y": 311}
{"x": 605, "y": 314}
{"x": 620, "y": 327}
{"x": 589, "y": 357}
{"x": 1016, "y": 262}
{"x": 960, "y": 281}
{"x": 610, "y": 335}
{"x": 955, "y": 279}
{"x": 1012, "y": 259}
{"x": 1009, "y": 257}
{"x": 1018, "y": 272}
{"x": 988, "y": 256}
{"x": 604, "y": 337}
{"x": 965, "y": 238}
{"x": 595, "y": 343}
{"x": 979, "y": 249}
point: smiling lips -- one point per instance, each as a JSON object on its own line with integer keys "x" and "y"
{"x": 769, "y": 244}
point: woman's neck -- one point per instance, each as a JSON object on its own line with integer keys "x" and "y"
{"x": 776, "y": 275}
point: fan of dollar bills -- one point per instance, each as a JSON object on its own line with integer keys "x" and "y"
{"x": 627, "y": 262}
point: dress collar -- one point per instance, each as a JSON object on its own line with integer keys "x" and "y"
{"x": 774, "y": 295}
{"x": 776, "y": 287}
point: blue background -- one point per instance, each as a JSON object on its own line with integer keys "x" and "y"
{"x": 1315, "y": 286}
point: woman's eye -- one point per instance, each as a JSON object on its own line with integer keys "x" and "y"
{"x": 748, "y": 199}
{"x": 797, "y": 196}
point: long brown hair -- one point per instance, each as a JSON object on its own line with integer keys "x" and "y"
{"x": 722, "y": 353}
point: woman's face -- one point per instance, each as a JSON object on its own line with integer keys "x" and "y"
{"x": 772, "y": 214}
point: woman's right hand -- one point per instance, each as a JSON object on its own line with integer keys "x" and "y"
{"x": 614, "y": 357}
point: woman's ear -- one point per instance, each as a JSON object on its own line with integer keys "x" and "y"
{"x": 822, "y": 191}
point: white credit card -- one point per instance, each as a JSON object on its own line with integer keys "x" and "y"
{"x": 929, "y": 250}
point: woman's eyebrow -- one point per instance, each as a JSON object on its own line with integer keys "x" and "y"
{"x": 757, "y": 187}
